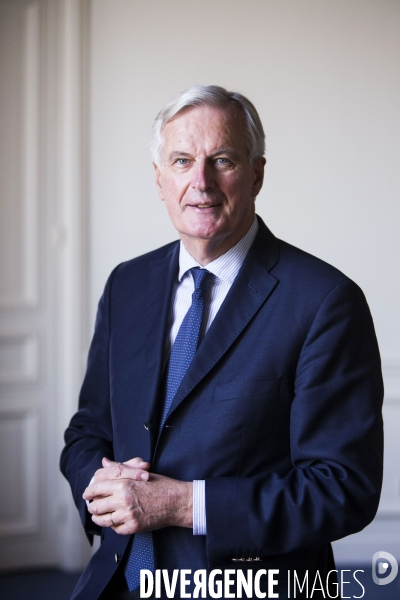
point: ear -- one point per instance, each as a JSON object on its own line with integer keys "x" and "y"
{"x": 158, "y": 181}
{"x": 258, "y": 173}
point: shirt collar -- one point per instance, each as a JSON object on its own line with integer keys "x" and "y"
{"x": 226, "y": 266}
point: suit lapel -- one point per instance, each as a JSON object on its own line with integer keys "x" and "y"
{"x": 249, "y": 292}
{"x": 162, "y": 275}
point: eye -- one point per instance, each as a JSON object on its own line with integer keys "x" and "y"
{"x": 222, "y": 161}
{"x": 182, "y": 161}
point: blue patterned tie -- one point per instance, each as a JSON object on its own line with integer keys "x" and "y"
{"x": 182, "y": 354}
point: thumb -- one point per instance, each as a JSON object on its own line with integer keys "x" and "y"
{"x": 106, "y": 462}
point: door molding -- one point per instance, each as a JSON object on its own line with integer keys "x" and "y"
{"x": 69, "y": 40}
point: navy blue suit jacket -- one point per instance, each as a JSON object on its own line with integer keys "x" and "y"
{"x": 279, "y": 411}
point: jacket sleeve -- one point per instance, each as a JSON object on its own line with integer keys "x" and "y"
{"x": 89, "y": 435}
{"x": 336, "y": 446}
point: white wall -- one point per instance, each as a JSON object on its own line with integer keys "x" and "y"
{"x": 324, "y": 77}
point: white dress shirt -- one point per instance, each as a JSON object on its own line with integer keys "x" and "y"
{"x": 224, "y": 270}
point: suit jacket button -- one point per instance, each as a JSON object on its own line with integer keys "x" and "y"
{"x": 117, "y": 558}
{"x": 146, "y": 426}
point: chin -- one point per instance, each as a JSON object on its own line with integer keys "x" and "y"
{"x": 204, "y": 233}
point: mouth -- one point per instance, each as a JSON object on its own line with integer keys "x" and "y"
{"x": 204, "y": 205}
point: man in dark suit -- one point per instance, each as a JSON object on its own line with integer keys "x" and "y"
{"x": 230, "y": 413}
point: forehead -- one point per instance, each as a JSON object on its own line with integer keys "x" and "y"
{"x": 204, "y": 129}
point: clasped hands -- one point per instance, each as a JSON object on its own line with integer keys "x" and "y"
{"x": 130, "y": 499}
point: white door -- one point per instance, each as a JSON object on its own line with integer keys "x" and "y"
{"x": 39, "y": 294}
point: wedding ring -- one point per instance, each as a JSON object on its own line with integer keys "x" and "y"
{"x": 114, "y": 524}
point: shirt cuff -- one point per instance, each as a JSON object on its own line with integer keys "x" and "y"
{"x": 88, "y": 501}
{"x": 199, "y": 507}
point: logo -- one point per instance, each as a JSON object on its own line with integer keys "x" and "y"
{"x": 380, "y": 565}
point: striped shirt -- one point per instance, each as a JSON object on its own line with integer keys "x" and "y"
{"x": 224, "y": 270}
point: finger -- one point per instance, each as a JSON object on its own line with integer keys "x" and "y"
{"x": 121, "y": 471}
{"x": 106, "y": 520}
{"x": 103, "y": 506}
{"x": 138, "y": 463}
{"x": 117, "y": 521}
{"x": 101, "y": 489}
{"x": 122, "y": 527}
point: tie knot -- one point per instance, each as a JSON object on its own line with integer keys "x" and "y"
{"x": 200, "y": 277}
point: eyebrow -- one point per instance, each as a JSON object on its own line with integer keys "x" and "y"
{"x": 177, "y": 154}
{"x": 229, "y": 151}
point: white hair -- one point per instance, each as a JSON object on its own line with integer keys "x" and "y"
{"x": 210, "y": 95}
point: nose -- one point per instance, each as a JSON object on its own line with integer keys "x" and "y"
{"x": 203, "y": 177}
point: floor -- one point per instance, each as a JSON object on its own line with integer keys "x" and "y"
{"x": 49, "y": 584}
{"x": 55, "y": 585}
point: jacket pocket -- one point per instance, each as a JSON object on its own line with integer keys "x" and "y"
{"x": 250, "y": 388}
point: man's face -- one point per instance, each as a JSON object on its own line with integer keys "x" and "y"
{"x": 205, "y": 178}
